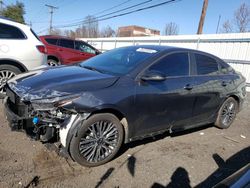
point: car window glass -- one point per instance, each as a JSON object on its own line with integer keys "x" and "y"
{"x": 120, "y": 61}
{"x": 83, "y": 47}
{"x": 67, "y": 43}
{"x": 51, "y": 41}
{"x": 206, "y": 65}
{"x": 173, "y": 65}
{"x": 10, "y": 32}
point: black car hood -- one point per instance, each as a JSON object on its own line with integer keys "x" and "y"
{"x": 59, "y": 81}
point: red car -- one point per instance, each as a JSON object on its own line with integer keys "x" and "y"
{"x": 64, "y": 51}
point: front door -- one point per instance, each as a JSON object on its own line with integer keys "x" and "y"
{"x": 167, "y": 103}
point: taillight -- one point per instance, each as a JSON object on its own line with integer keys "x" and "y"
{"x": 42, "y": 49}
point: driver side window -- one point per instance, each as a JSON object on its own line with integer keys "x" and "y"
{"x": 176, "y": 64}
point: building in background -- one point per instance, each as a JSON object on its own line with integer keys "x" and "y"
{"x": 136, "y": 31}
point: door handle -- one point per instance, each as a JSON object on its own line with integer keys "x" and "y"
{"x": 188, "y": 87}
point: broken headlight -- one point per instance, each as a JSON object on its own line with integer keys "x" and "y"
{"x": 52, "y": 103}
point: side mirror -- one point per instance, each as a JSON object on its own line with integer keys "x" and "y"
{"x": 153, "y": 76}
{"x": 97, "y": 52}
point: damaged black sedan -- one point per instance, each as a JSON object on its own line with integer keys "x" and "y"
{"x": 125, "y": 94}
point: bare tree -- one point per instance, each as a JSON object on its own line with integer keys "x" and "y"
{"x": 171, "y": 29}
{"x": 91, "y": 24}
{"x": 81, "y": 32}
{"x": 242, "y": 18}
{"x": 70, "y": 34}
{"x": 227, "y": 27}
{"x": 55, "y": 31}
{"x": 107, "y": 32}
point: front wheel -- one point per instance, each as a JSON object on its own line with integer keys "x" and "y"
{"x": 97, "y": 141}
{"x": 227, "y": 113}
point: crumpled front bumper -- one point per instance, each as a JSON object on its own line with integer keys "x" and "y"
{"x": 16, "y": 122}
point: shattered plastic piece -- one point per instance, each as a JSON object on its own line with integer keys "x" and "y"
{"x": 242, "y": 136}
{"x": 35, "y": 120}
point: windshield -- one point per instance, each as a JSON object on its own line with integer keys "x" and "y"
{"x": 119, "y": 61}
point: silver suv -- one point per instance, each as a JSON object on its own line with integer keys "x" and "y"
{"x": 20, "y": 50}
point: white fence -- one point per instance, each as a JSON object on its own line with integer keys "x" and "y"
{"x": 233, "y": 48}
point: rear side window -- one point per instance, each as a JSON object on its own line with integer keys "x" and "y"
{"x": 51, "y": 41}
{"x": 10, "y": 32}
{"x": 67, "y": 43}
{"x": 206, "y": 65}
{"x": 83, "y": 47}
{"x": 173, "y": 65}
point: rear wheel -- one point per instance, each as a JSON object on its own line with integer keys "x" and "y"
{"x": 227, "y": 113}
{"x": 97, "y": 141}
{"x": 7, "y": 72}
{"x": 53, "y": 62}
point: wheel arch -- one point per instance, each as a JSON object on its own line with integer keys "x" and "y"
{"x": 15, "y": 63}
{"x": 235, "y": 97}
{"x": 51, "y": 56}
{"x": 119, "y": 115}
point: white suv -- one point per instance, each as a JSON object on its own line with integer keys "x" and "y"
{"x": 20, "y": 50}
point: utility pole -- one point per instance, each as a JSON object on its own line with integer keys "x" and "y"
{"x": 218, "y": 24}
{"x": 1, "y": 5}
{"x": 202, "y": 18}
{"x": 51, "y": 16}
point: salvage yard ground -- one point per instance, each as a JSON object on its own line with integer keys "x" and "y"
{"x": 196, "y": 158}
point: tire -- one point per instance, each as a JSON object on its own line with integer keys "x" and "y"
{"x": 53, "y": 62}
{"x": 84, "y": 143}
{"x": 7, "y": 72}
{"x": 227, "y": 113}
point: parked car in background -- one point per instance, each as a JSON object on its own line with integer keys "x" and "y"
{"x": 123, "y": 95}
{"x": 20, "y": 50}
{"x": 64, "y": 51}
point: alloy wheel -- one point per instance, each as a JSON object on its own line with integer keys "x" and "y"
{"x": 228, "y": 113}
{"x": 99, "y": 141}
{"x": 5, "y": 75}
{"x": 52, "y": 62}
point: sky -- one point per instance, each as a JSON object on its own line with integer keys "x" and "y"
{"x": 185, "y": 13}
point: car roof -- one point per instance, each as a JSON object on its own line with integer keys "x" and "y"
{"x": 57, "y": 37}
{"x": 12, "y": 22}
{"x": 158, "y": 48}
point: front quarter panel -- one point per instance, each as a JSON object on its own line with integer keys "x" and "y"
{"x": 119, "y": 96}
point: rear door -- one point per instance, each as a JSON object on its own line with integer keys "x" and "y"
{"x": 168, "y": 103}
{"x": 210, "y": 86}
{"x": 12, "y": 43}
{"x": 67, "y": 51}
{"x": 84, "y": 50}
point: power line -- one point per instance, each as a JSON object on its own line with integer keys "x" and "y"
{"x": 111, "y": 8}
{"x": 118, "y": 15}
{"x": 120, "y": 10}
{"x": 51, "y": 15}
